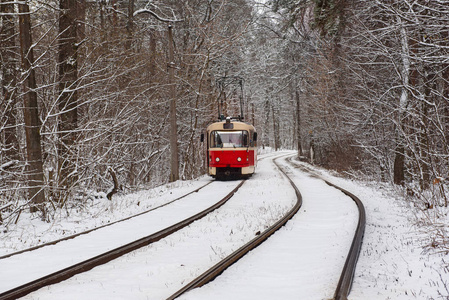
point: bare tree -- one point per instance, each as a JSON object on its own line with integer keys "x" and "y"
{"x": 174, "y": 163}
{"x": 9, "y": 81}
{"x": 68, "y": 98}
{"x": 30, "y": 111}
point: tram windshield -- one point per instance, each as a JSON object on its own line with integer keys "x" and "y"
{"x": 229, "y": 139}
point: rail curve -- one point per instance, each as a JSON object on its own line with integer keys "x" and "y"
{"x": 345, "y": 282}
{"x": 54, "y": 242}
{"x": 341, "y": 292}
{"x": 217, "y": 269}
{"x": 344, "y": 285}
{"x": 110, "y": 255}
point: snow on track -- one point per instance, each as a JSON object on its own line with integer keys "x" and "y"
{"x": 303, "y": 260}
{"x": 156, "y": 271}
{"x": 391, "y": 265}
{"x": 92, "y": 212}
{"x": 32, "y": 265}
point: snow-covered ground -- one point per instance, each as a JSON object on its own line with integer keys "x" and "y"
{"x": 392, "y": 264}
{"x": 303, "y": 260}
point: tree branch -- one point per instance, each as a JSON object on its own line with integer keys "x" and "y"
{"x": 144, "y": 10}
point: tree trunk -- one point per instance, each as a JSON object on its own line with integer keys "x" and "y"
{"x": 398, "y": 171}
{"x": 30, "y": 112}
{"x": 67, "y": 102}
{"x": 276, "y": 131}
{"x": 424, "y": 145}
{"x": 130, "y": 24}
{"x": 399, "y": 161}
{"x": 266, "y": 124}
{"x": 152, "y": 53}
{"x": 174, "y": 173}
{"x": 9, "y": 67}
{"x": 298, "y": 123}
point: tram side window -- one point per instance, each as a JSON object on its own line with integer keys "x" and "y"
{"x": 229, "y": 139}
{"x": 245, "y": 138}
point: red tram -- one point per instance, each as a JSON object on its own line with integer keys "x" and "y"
{"x": 231, "y": 149}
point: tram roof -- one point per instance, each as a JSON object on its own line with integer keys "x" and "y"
{"x": 236, "y": 125}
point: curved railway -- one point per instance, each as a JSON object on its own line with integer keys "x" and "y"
{"x": 103, "y": 258}
{"x": 216, "y": 270}
{"x": 344, "y": 284}
{"x": 54, "y": 242}
{"x": 341, "y": 292}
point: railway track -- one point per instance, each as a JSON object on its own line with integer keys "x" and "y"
{"x": 345, "y": 282}
{"x": 344, "y": 285}
{"x": 103, "y": 226}
{"x": 101, "y": 259}
{"x": 54, "y": 242}
{"x": 216, "y": 270}
{"x": 341, "y": 291}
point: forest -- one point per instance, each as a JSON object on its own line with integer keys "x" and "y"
{"x": 113, "y": 95}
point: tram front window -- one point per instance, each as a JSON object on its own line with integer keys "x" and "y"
{"x": 229, "y": 139}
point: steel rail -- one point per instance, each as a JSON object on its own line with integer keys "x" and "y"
{"x": 110, "y": 255}
{"x": 345, "y": 282}
{"x": 217, "y": 269}
{"x": 102, "y": 226}
{"x": 347, "y": 275}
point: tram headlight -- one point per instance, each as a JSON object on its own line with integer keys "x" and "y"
{"x": 217, "y": 159}
{"x": 239, "y": 159}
